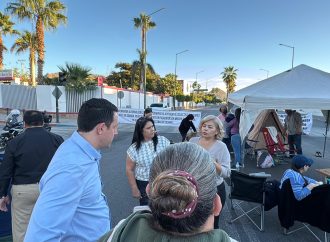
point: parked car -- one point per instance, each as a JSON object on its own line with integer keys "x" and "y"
{"x": 160, "y": 107}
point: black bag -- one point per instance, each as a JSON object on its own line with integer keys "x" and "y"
{"x": 272, "y": 190}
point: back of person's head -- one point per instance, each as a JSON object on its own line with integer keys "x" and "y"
{"x": 182, "y": 188}
{"x": 238, "y": 114}
{"x": 217, "y": 123}
{"x": 138, "y": 137}
{"x": 147, "y": 110}
{"x": 95, "y": 111}
{"x": 190, "y": 117}
{"x": 300, "y": 161}
{"x": 288, "y": 111}
{"x": 223, "y": 109}
{"x": 33, "y": 118}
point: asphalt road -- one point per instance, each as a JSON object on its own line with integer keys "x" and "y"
{"x": 121, "y": 203}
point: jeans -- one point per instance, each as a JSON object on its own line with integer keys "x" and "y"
{"x": 221, "y": 191}
{"x": 295, "y": 144}
{"x": 236, "y": 144}
{"x": 142, "y": 185}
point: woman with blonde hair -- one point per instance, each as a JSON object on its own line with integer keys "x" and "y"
{"x": 211, "y": 132}
{"x": 182, "y": 197}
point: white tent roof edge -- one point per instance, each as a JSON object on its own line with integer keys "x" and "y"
{"x": 303, "y": 87}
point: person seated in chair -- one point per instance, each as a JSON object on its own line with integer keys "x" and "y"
{"x": 302, "y": 198}
{"x": 183, "y": 200}
{"x": 301, "y": 185}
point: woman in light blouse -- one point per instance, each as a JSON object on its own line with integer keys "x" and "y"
{"x": 211, "y": 132}
{"x": 144, "y": 148}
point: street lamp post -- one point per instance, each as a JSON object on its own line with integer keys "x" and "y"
{"x": 144, "y": 33}
{"x": 197, "y": 75}
{"x": 292, "y": 47}
{"x": 176, "y": 62}
{"x": 265, "y": 71}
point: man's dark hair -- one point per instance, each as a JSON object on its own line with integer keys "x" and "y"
{"x": 33, "y": 118}
{"x": 147, "y": 110}
{"x": 95, "y": 111}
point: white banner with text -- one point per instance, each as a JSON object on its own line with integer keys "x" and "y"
{"x": 307, "y": 119}
{"x": 165, "y": 118}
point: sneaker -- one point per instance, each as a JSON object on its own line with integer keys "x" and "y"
{"x": 241, "y": 165}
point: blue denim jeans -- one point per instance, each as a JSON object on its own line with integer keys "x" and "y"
{"x": 295, "y": 144}
{"x": 236, "y": 144}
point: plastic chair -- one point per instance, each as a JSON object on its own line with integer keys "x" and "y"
{"x": 289, "y": 211}
{"x": 248, "y": 189}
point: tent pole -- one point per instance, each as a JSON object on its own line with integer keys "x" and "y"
{"x": 326, "y": 132}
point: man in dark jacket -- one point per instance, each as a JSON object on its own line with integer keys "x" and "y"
{"x": 5, "y": 222}
{"x": 26, "y": 159}
{"x": 185, "y": 125}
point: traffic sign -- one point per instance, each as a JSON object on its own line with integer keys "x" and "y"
{"x": 120, "y": 94}
{"x": 57, "y": 93}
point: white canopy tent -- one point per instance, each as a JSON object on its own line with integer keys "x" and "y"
{"x": 303, "y": 87}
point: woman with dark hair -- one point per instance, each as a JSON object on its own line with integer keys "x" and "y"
{"x": 223, "y": 112}
{"x": 185, "y": 125}
{"x": 145, "y": 146}
{"x": 222, "y": 116}
{"x": 235, "y": 138}
{"x": 183, "y": 200}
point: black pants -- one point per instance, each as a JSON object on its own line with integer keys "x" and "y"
{"x": 228, "y": 144}
{"x": 183, "y": 135}
{"x": 295, "y": 144}
{"x": 142, "y": 188}
{"x": 221, "y": 190}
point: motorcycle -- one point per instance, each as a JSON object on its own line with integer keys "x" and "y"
{"x": 47, "y": 121}
{"x": 14, "y": 128}
{"x": 9, "y": 134}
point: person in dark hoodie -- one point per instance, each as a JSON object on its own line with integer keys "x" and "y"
{"x": 183, "y": 200}
{"x": 185, "y": 125}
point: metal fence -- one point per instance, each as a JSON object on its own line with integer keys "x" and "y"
{"x": 18, "y": 97}
{"x": 75, "y": 99}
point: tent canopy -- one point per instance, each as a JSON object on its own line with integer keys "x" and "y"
{"x": 303, "y": 87}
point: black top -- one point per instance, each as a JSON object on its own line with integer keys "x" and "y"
{"x": 185, "y": 126}
{"x": 27, "y": 157}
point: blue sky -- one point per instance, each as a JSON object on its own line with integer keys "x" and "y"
{"x": 217, "y": 33}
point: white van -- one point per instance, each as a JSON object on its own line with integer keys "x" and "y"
{"x": 159, "y": 107}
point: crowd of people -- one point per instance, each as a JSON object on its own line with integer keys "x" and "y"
{"x": 56, "y": 187}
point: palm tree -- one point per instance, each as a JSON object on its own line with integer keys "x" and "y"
{"x": 27, "y": 41}
{"x": 6, "y": 27}
{"x": 229, "y": 76}
{"x": 144, "y": 22}
{"x": 138, "y": 65}
{"x": 46, "y": 15}
{"x": 78, "y": 78}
